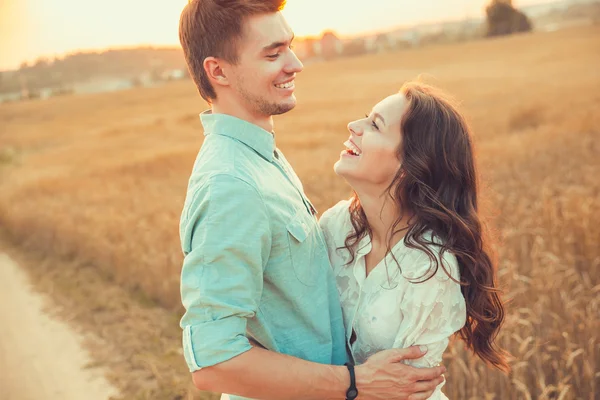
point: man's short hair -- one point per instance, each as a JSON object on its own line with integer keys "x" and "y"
{"x": 214, "y": 28}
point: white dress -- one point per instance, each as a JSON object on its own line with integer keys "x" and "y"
{"x": 385, "y": 309}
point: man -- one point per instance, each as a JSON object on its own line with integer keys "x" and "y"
{"x": 263, "y": 318}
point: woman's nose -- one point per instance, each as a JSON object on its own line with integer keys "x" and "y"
{"x": 354, "y": 128}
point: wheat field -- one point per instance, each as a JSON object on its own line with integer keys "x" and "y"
{"x": 100, "y": 180}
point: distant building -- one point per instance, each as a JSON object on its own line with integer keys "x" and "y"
{"x": 404, "y": 38}
{"x": 46, "y": 93}
{"x": 306, "y": 48}
{"x": 331, "y": 45}
{"x": 10, "y": 96}
{"x": 102, "y": 85}
{"x": 173, "y": 74}
{"x": 412, "y": 37}
{"x": 355, "y": 47}
{"x": 383, "y": 42}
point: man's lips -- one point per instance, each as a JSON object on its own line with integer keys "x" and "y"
{"x": 289, "y": 85}
{"x": 286, "y": 81}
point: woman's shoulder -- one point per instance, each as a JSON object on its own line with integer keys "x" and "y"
{"x": 337, "y": 217}
{"x": 417, "y": 262}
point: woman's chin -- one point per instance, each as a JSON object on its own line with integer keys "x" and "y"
{"x": 338, "y": 168}
{"x": 342, "y": 170}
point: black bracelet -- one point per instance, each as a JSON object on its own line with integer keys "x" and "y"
{"x": 352, "y": 392}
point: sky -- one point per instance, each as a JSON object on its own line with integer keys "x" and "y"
{"x": 33, "y": 28}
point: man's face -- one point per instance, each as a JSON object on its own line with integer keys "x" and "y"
{"x": 264, "y": 76}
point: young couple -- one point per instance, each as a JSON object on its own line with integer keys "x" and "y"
{"x": 360, "y": 303}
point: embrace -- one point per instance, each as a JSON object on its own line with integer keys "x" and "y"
{"x": 359, "y": 303}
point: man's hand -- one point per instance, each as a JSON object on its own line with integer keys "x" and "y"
{"x": 383, "y": 376}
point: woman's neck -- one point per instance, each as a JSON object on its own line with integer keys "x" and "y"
{"x": 382, "y": 212}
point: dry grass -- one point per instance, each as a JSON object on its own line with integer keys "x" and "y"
{"x": 100, "y": 180}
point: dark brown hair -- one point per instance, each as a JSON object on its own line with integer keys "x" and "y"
{"x": 213, "y": 28}
{"x": 437, "y": 184}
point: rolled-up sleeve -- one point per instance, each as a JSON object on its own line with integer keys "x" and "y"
{"x": 226, "y": 239}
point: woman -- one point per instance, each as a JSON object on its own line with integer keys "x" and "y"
{"x": 408, "y": 249}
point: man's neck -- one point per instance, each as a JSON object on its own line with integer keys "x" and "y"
{"x": 264, "y": 122}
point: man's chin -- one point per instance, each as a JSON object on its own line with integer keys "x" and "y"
{"x": 283, "y": 107}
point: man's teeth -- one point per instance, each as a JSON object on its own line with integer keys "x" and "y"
{"x": 285, "y": 85}
{"x": 353, "y": 149}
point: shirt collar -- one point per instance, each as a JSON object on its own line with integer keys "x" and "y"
{"x": 251, "y": 135}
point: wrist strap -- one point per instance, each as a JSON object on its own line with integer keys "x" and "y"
{"x": 352, "y": 392}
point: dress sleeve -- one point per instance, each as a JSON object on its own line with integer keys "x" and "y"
{"x": 432, "y": 310}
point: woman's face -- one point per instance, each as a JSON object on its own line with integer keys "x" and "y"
{"x": 371, "y": 156}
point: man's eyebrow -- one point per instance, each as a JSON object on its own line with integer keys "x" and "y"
{"x": 377, "y": 115}
{"x": 275, "y": 45}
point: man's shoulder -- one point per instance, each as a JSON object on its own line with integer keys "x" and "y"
{"x": 221, "y": 166}
{"x": 222, "y": 180}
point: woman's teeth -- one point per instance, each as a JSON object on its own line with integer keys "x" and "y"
{"x": 352, "y": 148}
{"x": 285, "y": 85}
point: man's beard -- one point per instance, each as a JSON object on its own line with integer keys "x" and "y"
{"x": 261, "y": 105}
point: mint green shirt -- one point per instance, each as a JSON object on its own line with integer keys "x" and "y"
{"x": 256, "y": 263}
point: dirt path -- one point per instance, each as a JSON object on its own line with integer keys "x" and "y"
{"x": 40, "y": 357}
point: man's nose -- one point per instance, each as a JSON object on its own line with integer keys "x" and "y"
{"x": 294, "y": 65}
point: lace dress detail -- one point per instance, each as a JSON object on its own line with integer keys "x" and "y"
{"x": 392, "y": 307}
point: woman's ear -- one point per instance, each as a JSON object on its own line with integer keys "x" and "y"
{"x": 215, "y": 72}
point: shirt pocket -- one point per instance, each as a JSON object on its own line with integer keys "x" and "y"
{"x": 304, "y": 247}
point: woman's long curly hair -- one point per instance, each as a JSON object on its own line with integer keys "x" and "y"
{"x": 437, "y": 184}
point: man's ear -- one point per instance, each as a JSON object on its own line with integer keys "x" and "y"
{"x": 215, "y": 72}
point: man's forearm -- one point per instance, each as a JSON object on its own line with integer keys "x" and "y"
{"x": 266, "y": 375}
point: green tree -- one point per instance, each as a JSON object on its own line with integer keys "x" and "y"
{"x": 504, "y": 19}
